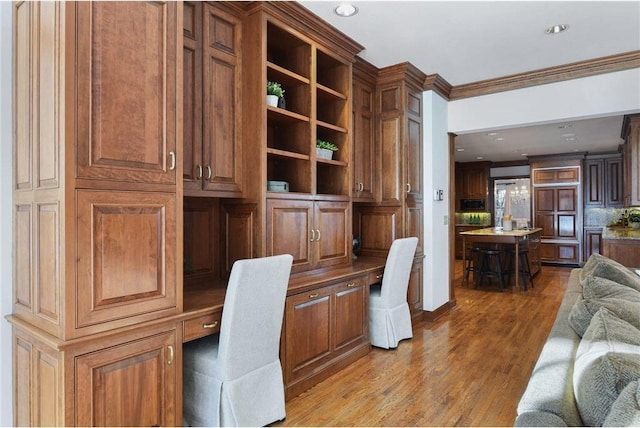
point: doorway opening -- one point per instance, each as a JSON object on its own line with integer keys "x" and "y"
{"x": 512, "y": 197}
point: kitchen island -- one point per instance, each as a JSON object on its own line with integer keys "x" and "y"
{"x": 493, "y": 235}
{"x": 621, "y": 244}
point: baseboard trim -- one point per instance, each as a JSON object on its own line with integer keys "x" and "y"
{"x": 439, "y": 312}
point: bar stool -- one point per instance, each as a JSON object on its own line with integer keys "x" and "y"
{"x": 490, "y": 266}
{"x": 524, "y": 269}
{"x": 472, "y": 264}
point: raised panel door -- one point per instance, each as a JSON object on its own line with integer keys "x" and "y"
{"x": 414, "y": 222}
{"x": 414, "y": 290}
{"x": 547, "y": 222}
{"x": 192, "y": 96}
{"x": 545, "y": 199}
{"x": 308, "y": 333}
{"x": 567, "y": 226}
{"x": 592, "y": 241}
{"x": 364, "y": 156}
{"x": 289, "y": 231}
{"x": 238, "y": 233}
{"x": 331, "y": 240}
{"x": 126, "y": 258}
{"x": 351, "y": 319}
{"x": 133, "y": 384}
{"x": 475, "y": 183}
{"x": 126, "y": 101}
{"x": 377, "y": 227}
{"x": 567, "y": 199}
{"x": 594, "y": 183}
{"x": 222, "y": 112}
{"x": 613, "y": 192}
{"x": 413, "y": 156}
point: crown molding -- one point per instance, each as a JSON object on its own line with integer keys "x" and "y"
{"x": 437, "y": 84}
{"x": 592, "y": 67}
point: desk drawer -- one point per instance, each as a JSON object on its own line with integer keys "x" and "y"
{"x": 201, "y": 326}
{"x": 375, "y": 277}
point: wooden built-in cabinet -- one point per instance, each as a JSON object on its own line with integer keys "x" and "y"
{"x": 557, "y": 208}
{"x": 624, "y": 251}
{"x": 631, "y": 155}
{"x": 365, "y": 176}
{"x": 212, "y": 78}
{"x": 474, "y": 178}
{"x": 592, "y": 241}
{"x": 322, "y": 326}
{"x": 603, "y": 181}
{"x": 97, "y": 212}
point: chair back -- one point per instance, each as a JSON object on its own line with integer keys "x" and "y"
{"x": 252, "y": 317}
{"x": 397, "y": 271}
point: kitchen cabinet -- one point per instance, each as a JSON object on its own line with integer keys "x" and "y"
{"x": 313, "y": 232}
{"x": 322, "y": 326}
{"x": 475, "y": 180}
{"x": 556, "y": 210}
{"x": 592, "y": 241}
{"x": 212, "y": 70}
{"x": 624, "y": 251}
{"x": 98, "y": 204}
{"x": 365, "y": 176}
{"x": 458, "y": 241}
{"x": 631, "y": 155}
{"x": 603, "y": 181}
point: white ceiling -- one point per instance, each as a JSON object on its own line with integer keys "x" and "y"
{"x": 469, "y": 41}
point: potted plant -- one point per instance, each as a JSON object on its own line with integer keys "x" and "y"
{"x": 325, "y": 149}
{"x": 274, "y": 93}
{"x": 634, "y": 219}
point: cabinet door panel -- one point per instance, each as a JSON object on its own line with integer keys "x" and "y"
{"x": 308, "y": 332}
{"x": 547, "y": 223}
{"x": 289, "y": 225}
{"x": 192, "y": 96}
{"x": 594, "y": 182}
{"x": 545, "y": 200}
{"x": 567, "y": 199}
{"x": 567, "y": 226}
{"x": 414, "y": 291}
{"x": 126, "y": 256}
{"x": 391, "y": 182}
{"x": 126, "y": 71}
{"x": 413, "y": 157}
{"x": 128, "y": 385}
{"x": 351, "y": 319}
{"x": 414, "y": 220}
{"x": 332, "y": 229}
{"x": 377, "y": 228}
{"x": 222, "y": 99}
{"x": 613, "y": 194}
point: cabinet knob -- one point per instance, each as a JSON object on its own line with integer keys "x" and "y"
{"x": 352, "y": 284}
{"x": 171, "y": 354}
{"x": 313, "y": 295}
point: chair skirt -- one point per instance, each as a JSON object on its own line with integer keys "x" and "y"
{"x": 255, "y": 399}
{"x": 387, "y": 327}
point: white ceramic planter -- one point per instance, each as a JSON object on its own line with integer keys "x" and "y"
{"x": 324, "y": 153}
{"x": 272, "y": 100}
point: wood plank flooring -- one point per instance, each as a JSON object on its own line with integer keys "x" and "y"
{"x": 468, "y": 368}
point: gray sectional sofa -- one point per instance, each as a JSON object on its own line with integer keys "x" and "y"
{"x": 588, "y": 371}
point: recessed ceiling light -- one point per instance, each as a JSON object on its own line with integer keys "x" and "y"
{"x": 479, "y": 157}
{"x": 345, "y": 10}
{"x": 491, "y": 134}
{"x": 570, "y": 139}
{"x": 525, "y": 154}
{"x": 565, "y": 126}
{"x": 569, "y": 135}
{"x": 555, "y": 29}
{"x": 499, "y": 139}
{"x": 460, "y": 149}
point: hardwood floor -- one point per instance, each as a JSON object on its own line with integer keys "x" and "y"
{"x": 468, "y": 368}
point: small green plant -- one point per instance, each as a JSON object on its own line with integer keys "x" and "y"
{"x": 274, "y": 88}
{"x": 634, "y": 216}
{"x": 321, "y": 144}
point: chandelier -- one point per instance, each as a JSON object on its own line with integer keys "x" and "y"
{"x": 519, "y": 195}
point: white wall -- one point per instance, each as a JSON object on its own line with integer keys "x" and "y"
{"x": 6, "y": 238}
{"x": 436, "y": 213}
{"x": 595, "y": 96}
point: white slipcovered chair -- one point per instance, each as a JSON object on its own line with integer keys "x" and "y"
{"x": 234, "y": 378}
{"x": 389, "y": 316}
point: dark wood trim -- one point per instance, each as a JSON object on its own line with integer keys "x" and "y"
{"x": 592, "y": 67}
{"x": 557, "y": 157}
{"x": 627, "y": 121}
{"x": 439, "y": 312}
{"x": 452, "y": 216}
{"x": 507, "y": 164}
{"x": 437, "y": 84}
{"x": 408, "y": 71}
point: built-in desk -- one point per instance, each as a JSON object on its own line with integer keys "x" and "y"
{"x": 325, "y": 321}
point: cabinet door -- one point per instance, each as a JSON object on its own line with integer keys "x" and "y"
{"x": 192, "y": 96}
{"x": 351, "y": 319}
{"x": 392, "y": 182}
{"x": 126, "y": 91}
{"x": 290, "y": 231}
{"x": 332, "y": 238}
{"x": 363, "y": 142}
{"x": 413, "y": 147}
{"x": 308, "y": 330}
{"x": 133, "y": 384}
{"x": 594, "y": 183}
{"x": 613, "y": 195}
{"x": 414, "y": 221}
{"x": 474, "y": 184}
{"x": 126, "y": 258}
{"x": 592, "y": 241}
{"x": 222, "y": 145}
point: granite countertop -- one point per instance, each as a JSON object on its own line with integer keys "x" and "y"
{"x": 618, "y": 232}
{"x": 497, "y": 231}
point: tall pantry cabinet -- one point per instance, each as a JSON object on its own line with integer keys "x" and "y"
{"x": 97, "y": 200}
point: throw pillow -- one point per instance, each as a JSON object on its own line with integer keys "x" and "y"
{"x": 607, "y": 360}
{"x": 625, "y": 411}
{"x": 601, "y": 292}
{"x": 601, "y": 266}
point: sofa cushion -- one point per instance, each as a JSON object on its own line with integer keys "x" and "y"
{"x": 603, "y": 267}
{"x": 600, "y": 292}
{"x": 607, "y": 359}
{"x": 625, "y": 411}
